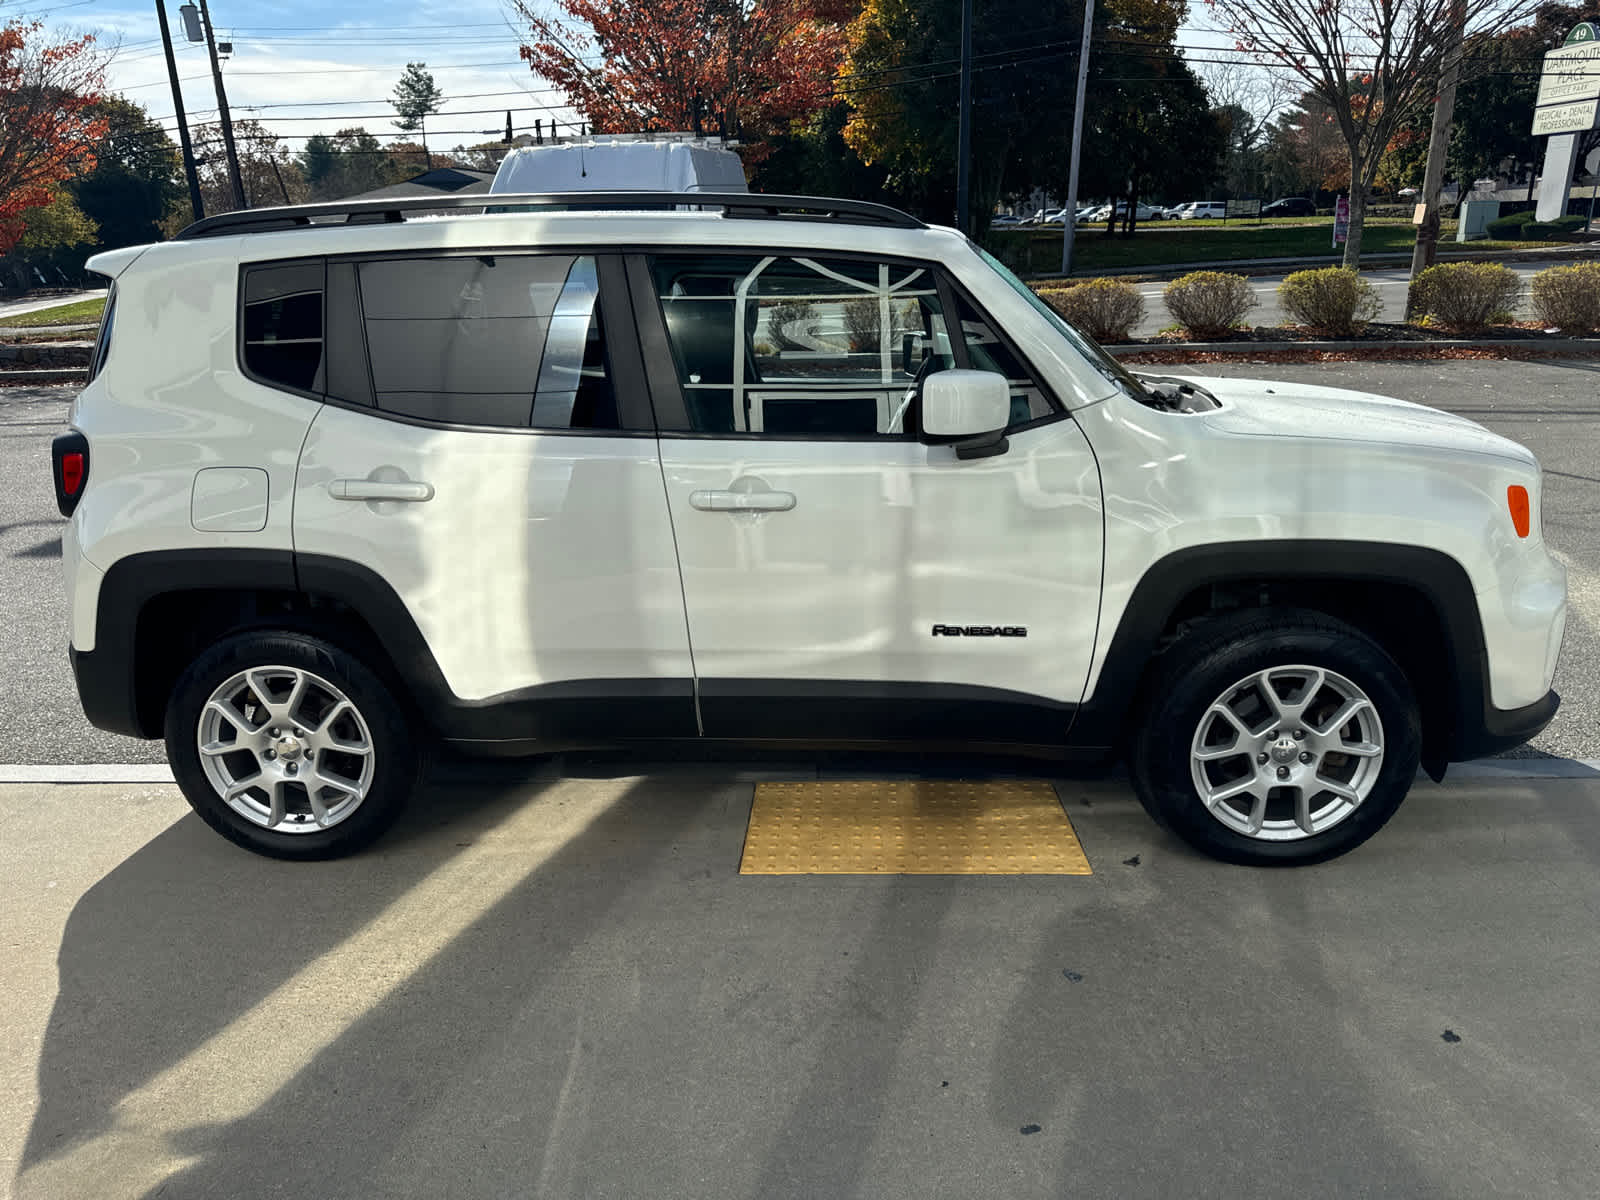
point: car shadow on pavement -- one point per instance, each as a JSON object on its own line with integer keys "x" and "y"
{"x": 1293, "y": 1032}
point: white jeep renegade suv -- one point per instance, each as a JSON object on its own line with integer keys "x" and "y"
{"x": 779, "y": 471}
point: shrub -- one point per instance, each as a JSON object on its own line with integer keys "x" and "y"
{"x": 1331, "y": 300}
{"x": 863, "y": 323}
{"x": 1569, "y": 297}
{"x": 1105, "y": 309}
{"x": 1508, "y": 226}
{"x": 1466, "y": 296}
{"x": 1209, "y": 304}
{"x": 1546, "y": 231}
{"x": 785, "y": 313}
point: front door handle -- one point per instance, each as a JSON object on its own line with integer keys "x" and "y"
{"x": 729, "y": 501}
{"x": 380, "y": 489}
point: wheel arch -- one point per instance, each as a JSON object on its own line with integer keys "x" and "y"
{"x": 159, "y": 611}
{"x": 1415, "y": 602}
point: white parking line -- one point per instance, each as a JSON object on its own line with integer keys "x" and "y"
{"x": 86, "y": 773}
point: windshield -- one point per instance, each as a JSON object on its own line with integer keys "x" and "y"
{"x": 1102, "y": 362}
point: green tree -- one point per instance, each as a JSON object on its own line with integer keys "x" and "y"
{"x": 346, "y": 163}
{"x": 416, "y": 98}
{"x": 1137, "y": 116}
{"x": 50, "y": 248}
{"x": 137, "y": 178}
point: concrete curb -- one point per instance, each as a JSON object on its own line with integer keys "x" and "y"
{"x": 71, "y": 375}
{"x": 1549, "y": 345}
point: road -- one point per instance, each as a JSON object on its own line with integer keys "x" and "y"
{"x": 563, "y": 988}
{"x": 1550, "y": 407}
{"x": 1390, "y": 283}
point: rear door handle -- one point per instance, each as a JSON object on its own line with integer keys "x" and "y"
{"x": 724, "y": 501}
{"x": 374, "y": 489}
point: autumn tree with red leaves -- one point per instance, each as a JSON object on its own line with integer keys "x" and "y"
{"x": 739, "y": 68}
{"x": 48, "y": 124}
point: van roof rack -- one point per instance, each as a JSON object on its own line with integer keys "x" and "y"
{"x": 381, "y": 212}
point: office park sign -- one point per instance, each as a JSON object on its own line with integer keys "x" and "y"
{"x": 1569, "y": 87}
{"x": 1568, "y": 107}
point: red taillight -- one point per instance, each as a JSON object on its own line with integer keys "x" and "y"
{"x": 69, "y": 453}
{"x": 71, "y": 473}
{"x": 1517, "y": 502}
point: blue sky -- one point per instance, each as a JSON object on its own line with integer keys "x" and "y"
{"x": 302, "y": 68}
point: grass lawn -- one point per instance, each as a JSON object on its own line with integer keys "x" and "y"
{"x": 81, "y": 312}
{"x": 1161, "y": 242}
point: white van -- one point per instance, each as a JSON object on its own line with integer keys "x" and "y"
{"x": 623, "y": 162}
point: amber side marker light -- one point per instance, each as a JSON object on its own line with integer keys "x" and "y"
{"x": 1517, "y": 502}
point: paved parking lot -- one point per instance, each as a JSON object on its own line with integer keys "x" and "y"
{"x": 556, "y": 983}
{"x": 561, "y": 987}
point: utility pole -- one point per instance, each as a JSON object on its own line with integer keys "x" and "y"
{"x": 964, "y": 127}
{"x": 1444, "y": 110}
{"x": 1068, "y": 219}
{"x": 222, "y": 109}
{"x": 195, "y": 202}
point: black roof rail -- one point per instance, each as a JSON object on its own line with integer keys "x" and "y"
{"x": 368, "y": 212}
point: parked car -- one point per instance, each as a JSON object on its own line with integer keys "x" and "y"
{"x": 1203, "y": 209}
{"x": 342, "y": 483}
{"x": 1143, "y": 212}
{"x": 1290, "y": 206}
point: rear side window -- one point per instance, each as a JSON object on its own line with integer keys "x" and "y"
{"x": 283, "y": 324}
{"x": 507, "y": 340}
{"x": 493, "y": 339}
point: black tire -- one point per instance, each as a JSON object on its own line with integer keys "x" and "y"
{"x": 1200, "y": 666}
{"x": 396, "y": 759}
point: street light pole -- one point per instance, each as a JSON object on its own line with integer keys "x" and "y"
{"x": 195, "y": 202}
{"x": 964, "y": 127}
{"x": 222, "y": 109}
{"x": 1068, "y": 218}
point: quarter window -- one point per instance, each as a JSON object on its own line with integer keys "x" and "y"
{"x": 987, "y": 351}
{"x": 283, "y": 324}
{"x": 795, "y": 346}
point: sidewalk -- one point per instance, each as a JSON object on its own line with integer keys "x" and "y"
{"x": 15, "y": 308}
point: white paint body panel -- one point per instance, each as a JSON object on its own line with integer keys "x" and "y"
{"x": 538, "y": 559}
{"x": 1283, "y": 461}
{"x": 170, "y": 403}
{"x": 885, "y": 540}
{"x": 546, "y": 558}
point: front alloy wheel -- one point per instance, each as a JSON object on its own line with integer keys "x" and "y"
{"x": 1275, "y": 736}
{"x": 1287, "y": 753}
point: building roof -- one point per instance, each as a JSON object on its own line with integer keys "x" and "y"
{"x": 448, "y": 181}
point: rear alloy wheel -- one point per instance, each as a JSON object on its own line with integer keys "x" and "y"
{"x": 1276, "y": 738}
{"x": 289, "y": 746}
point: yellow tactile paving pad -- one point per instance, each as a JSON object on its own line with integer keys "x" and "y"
{"x": 910, "y": 827}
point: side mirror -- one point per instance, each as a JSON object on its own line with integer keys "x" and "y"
{"x": 970, "y": 409}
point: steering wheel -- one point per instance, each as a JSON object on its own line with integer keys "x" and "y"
{"x": 929, "y": 365}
